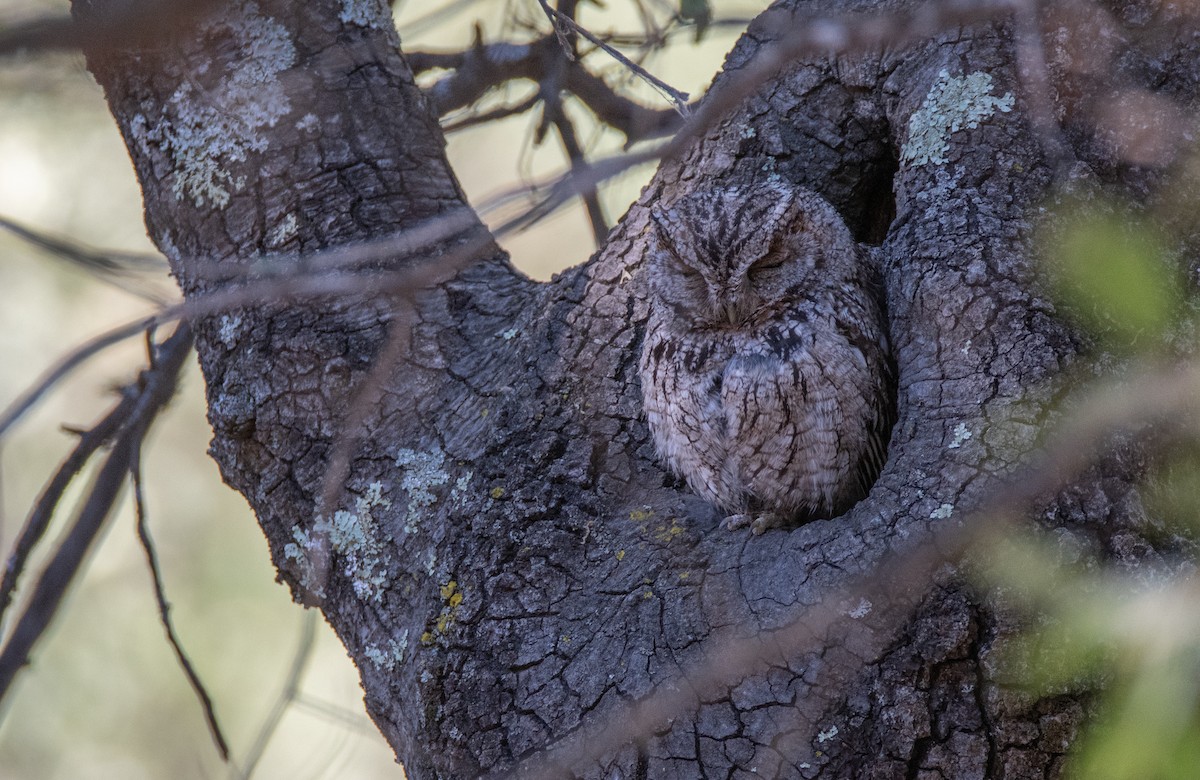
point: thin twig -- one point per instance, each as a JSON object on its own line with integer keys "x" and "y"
{"x": 153, "y": 391}
{"x": 164, "y": 608}
{"x": 77, "y": 357}
{"x": 566, "y": 133}
{"x": 112, "y": 267}
{"x": 102, "y": 26}
{"x": 503, "y": 112}
{"x": 1034, "y": 73}
{"x": 677, "y": 98}
{"x": 397, "y": 344}
{"x": 291, "y": 688}
{"x": 43, "y": 510}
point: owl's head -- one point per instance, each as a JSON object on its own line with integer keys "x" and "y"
{"x": 724, "y": 257}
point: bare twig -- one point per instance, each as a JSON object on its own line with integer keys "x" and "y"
{"x": 164, "y": 608}
{"x": 316, "y": 278}
{"x": 43, "y": 510}
{"x": 1034, "y": 73}
{"x": 115, "y": 268}
{"x": 496, "y": 114}
{"x": 77, "y": 357}
{"x": 677, "y": 98}
{"x": 566, "y": 133}
{"x": 103, "y": 26}
{"x": 152, "y": 392}
{"x": 291, "y": 688}
{"x": 396, "y": 346}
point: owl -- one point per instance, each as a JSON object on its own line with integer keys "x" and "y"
{"x": 765, "y": 368}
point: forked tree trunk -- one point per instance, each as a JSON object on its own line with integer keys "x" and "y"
{"x": 508, "y": 564}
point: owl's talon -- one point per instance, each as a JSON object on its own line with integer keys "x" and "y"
{"x": 765, "y": 522}
{"x": 758, "y": 523}
{"x": 734, "y": 522}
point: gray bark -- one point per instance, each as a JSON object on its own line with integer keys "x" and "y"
{"x": 509, "y": 563}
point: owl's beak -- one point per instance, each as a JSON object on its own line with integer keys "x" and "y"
{"x": 731, "y": 313}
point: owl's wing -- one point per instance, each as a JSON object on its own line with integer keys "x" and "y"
{"x": 786, "y": 419}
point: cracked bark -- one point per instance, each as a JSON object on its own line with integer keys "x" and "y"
{"x": 521, "y": 562}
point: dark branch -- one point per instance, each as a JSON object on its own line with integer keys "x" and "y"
{"x": 115, "y": 25}
{"x": 120, "y": 269}
{"x": 486, "y": 66}
{"x": 164, "y": 608}
{"x": 151, "y": 392}
{"x": 557, "y": 116}
{"x": 42, "y": 512}
{"x": 19, "y": 407}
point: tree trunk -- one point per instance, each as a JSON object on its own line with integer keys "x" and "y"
{"x": 508, "y": 564}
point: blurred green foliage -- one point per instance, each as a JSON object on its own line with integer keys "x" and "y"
{"x": 1135, "y": 637}
{"x": 1109, "y": 268}
{"x": 1128, "y": 636}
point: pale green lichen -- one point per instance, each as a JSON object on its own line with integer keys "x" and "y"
{"x": 942, "y": 512}
{"x": 365, "y": 13}
{"x": 953, "y": 103}
{"x": 284, "y": 231}
{"x": 357, "y": 540}
{"x": 861, "y": 609}
{"x": 229, "y": 326}
{"x": 204, "y": 130}
{"x": 509, "y": 334}
{"x": 390, "y": 657}
{"x": 422, "y": 472}
{"x": 307, "y": 123}
{"x": 961, "y": 434}
{"x": 827, "y": 734}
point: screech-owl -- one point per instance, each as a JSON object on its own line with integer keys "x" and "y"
{"x": 765, "y": 372}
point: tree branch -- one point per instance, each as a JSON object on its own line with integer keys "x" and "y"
{"x": 152, "y": 392}
{"x": 486, "y": 66}
{"x": 164, "y": 608}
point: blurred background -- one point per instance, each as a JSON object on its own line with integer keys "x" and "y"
{"x": 104, "y": 696}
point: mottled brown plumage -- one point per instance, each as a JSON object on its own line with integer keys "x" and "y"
{"x": 765, "y": 373}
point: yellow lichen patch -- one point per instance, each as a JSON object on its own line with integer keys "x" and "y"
{"x": 647, "y": 594}
{"x": 497, "y": 492}
{"x": 641, "y": 515}
{"x": 620, "y": 555}
{"x": 667, "y": 532}
{"x": 684, "y": 575}
{"x": 452, "y": 595}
